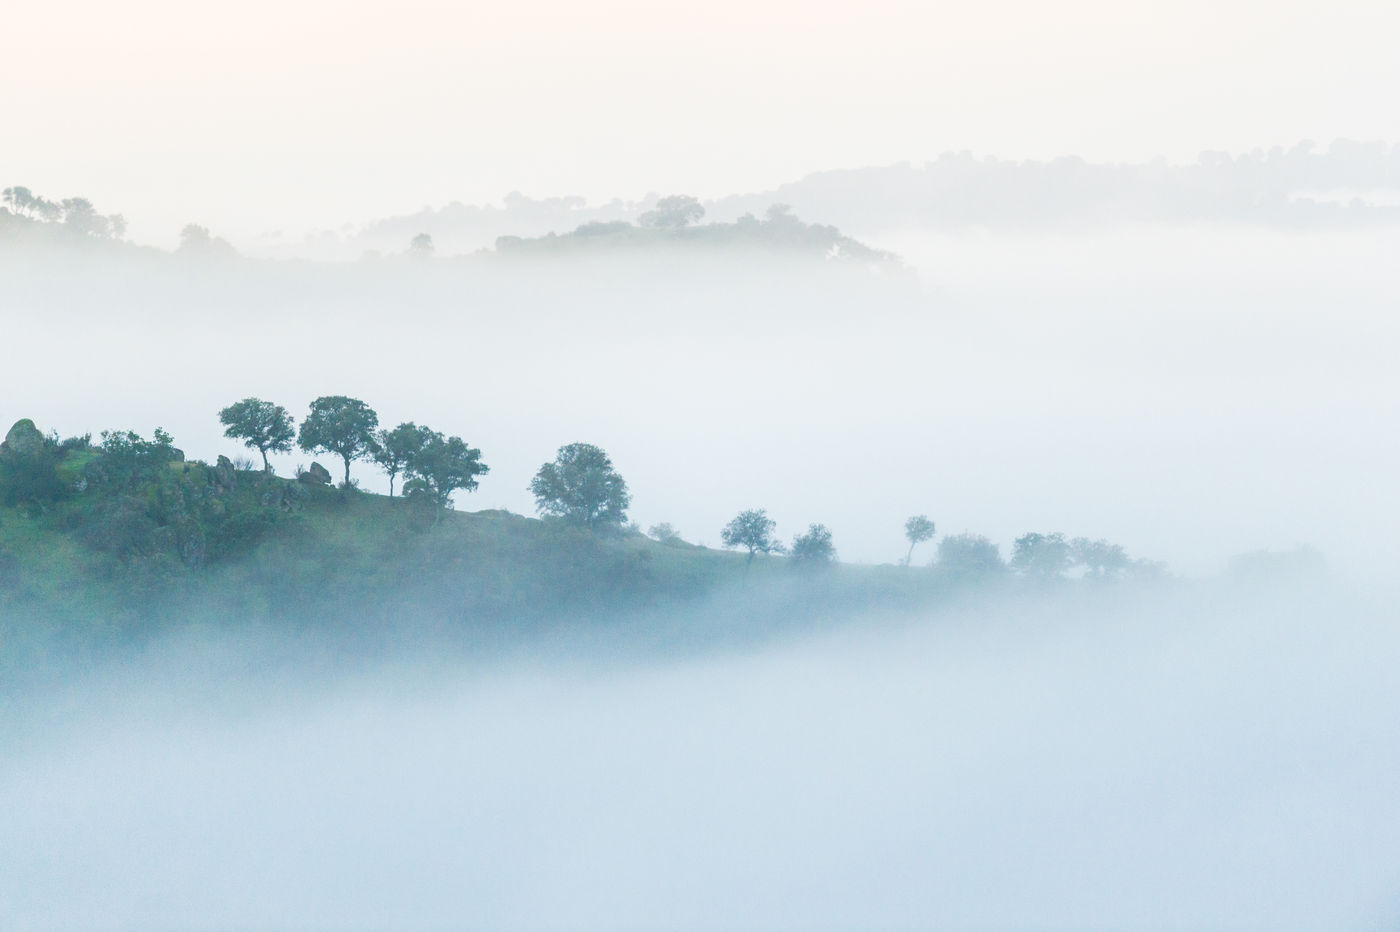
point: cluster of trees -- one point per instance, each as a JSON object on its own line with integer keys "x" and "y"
{"x": 1040, "y": 557}
{"x": 137, "y": 500}
{"x": 147, "y": 507}
{"x": 76, "y": 214}
{"x": 1280, "y": 186}
{"x": 755, "y": 532}
{"x": 579, "y": 486}
{"x": 675, "y": 219}
{"x": 1035, "y": 556}
{"x": 433, "y": 465}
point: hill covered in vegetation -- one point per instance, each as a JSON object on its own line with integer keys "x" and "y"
{"x": 118, "y": 538}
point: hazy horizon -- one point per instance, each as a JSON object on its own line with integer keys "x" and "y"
{"x": 1043, "y": 578}
{"x": 310, "y": 115}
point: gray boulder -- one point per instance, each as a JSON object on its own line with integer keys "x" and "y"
{"x": 24, "y": 441}
{"x": 316, "y": 475}
{"x": 224, "y": 473}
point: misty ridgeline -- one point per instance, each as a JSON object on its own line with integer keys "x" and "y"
{"x": 129, "y": 521}
{"x": 311, "y": 672}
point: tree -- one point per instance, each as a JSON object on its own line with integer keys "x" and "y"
{"x": 20, "y": 199}
{"x": 582, "y": 487}
{"x": 752, "y": 530}
{"x": 421, "y": 246}
{"x": 664, "y": 533}
{"x": 779, "y": 213}
{"x": 197, "y": 240}
{"x": 82, "y": 218}
{"x": 813, "y": 549}
{"x": 339, "y": 426}
{"x": 673, "y": 213}
{"x": 129, "y": 461}
{"x": 441, "y": 466}
{"x": 395, "y": 449}
{"x": 969, "y": 556}
{"x": 917, "y": 530}
{"x": 1041, "y": 556}
{"x": 261, "y": 425}
{"x": 1099, "y": 558}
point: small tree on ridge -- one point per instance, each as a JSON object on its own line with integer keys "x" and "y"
{"x": 752, "y": 530}
{"x": 340, "y": 426}
{"x": 261, "y": 425}
{"x": 581, "y": 486}
{"x": 917, "y": 530}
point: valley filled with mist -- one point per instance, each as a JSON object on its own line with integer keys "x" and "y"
{"x": 1133, "y": 672}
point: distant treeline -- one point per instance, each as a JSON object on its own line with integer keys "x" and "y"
{"x": 1346, "y": 183}
{"x": 675, "y": 220}
{"x": 671, "y": 221}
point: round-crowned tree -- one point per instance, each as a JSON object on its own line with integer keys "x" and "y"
{"x": 581, "y": 486}
{"x": 969, "y": 557}
{"x": 261, "y": 425}
{"x": 917, "y": 530}
{"x": 440, "y": 466}
{"x": 752, "y": 530}
{"x": 395, "y": 449}
{"x": 340, "y": 426}
{"x": 813, "y": 549}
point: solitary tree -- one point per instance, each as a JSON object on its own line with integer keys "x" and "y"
{"x": 673, "y": 213}
{"x": 261, "y": 425}
{"x": 339, "y": 426}
{"x": 917, "y": 530}
{"x": 395, "y": 449}
{"x": 752, "y": 530}
{"x": 421, "y": 246}
{"x": 814, "y": 548}
{"x": 582, "y": 487}
{"x": 441, "y": 466}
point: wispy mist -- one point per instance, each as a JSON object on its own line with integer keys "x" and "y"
{"x": 1209, "y": 759}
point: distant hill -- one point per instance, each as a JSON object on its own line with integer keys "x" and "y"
{"x": 1347, "y": 183}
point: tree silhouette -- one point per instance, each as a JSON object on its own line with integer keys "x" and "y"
{"x": 395, "y": 449}
{"x": 582, "y": 487}
{"x": 752, "y": 530}
{"x": 441, "y": 466}
{"x": 813, "y": 548}
{"x": 673, "y": 213}
{"x": 917, "y": 530}
{"x": 261, "y": 425}
{"x": 341, "y": 426}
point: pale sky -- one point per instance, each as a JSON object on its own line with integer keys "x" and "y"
{"x": 298, "y": 113}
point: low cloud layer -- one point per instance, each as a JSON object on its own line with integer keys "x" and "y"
{"x": 1206, "y": 759}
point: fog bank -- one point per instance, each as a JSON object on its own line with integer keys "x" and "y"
{"x": 1210, "y": 759}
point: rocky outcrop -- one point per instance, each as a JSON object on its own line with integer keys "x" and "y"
{"x": 316, "y": 475}
{"x": 225, "y": 475}
{"x": 24, "y": 441}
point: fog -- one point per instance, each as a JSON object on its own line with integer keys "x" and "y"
{"x": 1190, "y": 757}
{"x": 353, "y": 109}
{"x": 1188, "y": 391}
